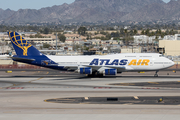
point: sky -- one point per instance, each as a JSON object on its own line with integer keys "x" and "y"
{"x": 33, "y": 4}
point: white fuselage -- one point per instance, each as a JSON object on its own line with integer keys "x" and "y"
{"x": 121, "y": 62}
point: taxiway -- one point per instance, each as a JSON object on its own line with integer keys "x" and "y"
{"x": 25, "y": 94}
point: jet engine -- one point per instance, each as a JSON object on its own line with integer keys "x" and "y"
{"x": 86, "y": 70}
{"x": 110, "y": 72}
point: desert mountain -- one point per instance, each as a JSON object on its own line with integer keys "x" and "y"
{"x": 96, "y": 10}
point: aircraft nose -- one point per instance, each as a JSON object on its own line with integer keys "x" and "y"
{"x": 172, "y": 63}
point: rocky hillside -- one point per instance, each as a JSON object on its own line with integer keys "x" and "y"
{"x": 96, "y": 10}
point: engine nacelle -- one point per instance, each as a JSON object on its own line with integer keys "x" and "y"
{"x": 86, "y": 70}
{"x": 110, "y": 72}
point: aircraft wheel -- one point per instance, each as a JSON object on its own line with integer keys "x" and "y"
{"x": 100, "y": 75}
{"x": 90, "y": 75}
{"x": 156, "y": 75}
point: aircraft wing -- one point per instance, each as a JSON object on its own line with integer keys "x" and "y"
{"x": 69, "y": 67}
{"x": 102, "y": 68}
{"x": 74, "y": 67}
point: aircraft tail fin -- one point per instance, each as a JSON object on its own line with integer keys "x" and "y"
{"x": 22, "y": 46}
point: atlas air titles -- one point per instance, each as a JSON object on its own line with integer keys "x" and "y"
{"x": 116, "y": 62}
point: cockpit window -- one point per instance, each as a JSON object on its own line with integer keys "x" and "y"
{"x": 160, "y": 55}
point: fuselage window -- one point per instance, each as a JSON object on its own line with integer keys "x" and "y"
{"x": 145, "y": 56}
{"x": 67, "y": 62}
{"x": 131, "y": 56}
{"x": 158, "y": 62}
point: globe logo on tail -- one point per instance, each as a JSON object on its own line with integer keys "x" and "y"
{"x": 20, "y": 42}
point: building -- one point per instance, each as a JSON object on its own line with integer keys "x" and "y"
{"x": 170, "y": 47}
{"x": 4, "y": 49}
{"x": 131, "y": 50}
{"x": 111, "y": 42}
{"x": 3, "y": 37}
{"x": 115, "y": 48}
{"x": 75, "y": 41}
{"x": 74, "y": 36}
{"x": 49, "y": 39}
{"x": 143, "y": 39}
{"x": 169, "y": 37}
{"x": 94, "y": 42}
{"x": 177, "y": 36}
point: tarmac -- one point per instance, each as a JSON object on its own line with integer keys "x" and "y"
{"x": 50, "y": 94}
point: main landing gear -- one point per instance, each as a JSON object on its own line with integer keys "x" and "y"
{"x": 95, "y": 74}
{"x": 156, "y": 75}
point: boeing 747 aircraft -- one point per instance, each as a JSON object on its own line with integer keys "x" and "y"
{"x": 90, "y": 65}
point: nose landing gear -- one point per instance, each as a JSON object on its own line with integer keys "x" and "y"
{"x": 156, "y": 75}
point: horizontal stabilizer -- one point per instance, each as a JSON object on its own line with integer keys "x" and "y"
{"x": 22, "y": 59}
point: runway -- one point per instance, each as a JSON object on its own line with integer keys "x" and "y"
{"x": 24, "y": 94}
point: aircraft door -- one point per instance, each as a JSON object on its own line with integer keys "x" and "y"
{"x": 151, "y": 62}
{"x": 78, "y": 63}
